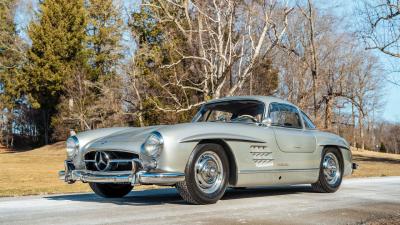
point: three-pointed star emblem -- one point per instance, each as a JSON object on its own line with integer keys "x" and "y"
{"x": 102, "y": 161}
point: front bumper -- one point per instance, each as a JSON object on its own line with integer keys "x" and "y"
{"x": 70, "y": 175}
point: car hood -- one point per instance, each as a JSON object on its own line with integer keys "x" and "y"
{"x": 124, "y": 139}
{"x": 131, "y": 138}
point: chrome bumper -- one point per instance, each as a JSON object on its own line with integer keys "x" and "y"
{"x": 70, "y": 175}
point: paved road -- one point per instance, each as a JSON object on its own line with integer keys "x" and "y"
{"x": 359, "y": 200}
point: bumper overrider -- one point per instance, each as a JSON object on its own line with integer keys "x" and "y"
{"x": 134, "y": 177}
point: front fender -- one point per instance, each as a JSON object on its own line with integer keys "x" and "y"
{"x": 180, "y": 140}
{"x": 223, "y": 136}
{"x": 326, "y": 139}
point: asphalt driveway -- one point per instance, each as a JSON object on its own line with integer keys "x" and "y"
{"x": 358, "y": 201}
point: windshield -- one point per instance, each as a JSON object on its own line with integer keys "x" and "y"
{"x": 241, "y": 111}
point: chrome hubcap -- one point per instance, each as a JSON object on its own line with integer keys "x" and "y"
{"x": 331, "y": 168}
{"x": 209, "y": 172}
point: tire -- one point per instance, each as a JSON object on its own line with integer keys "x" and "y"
{"x": 111, "y": 190}
{"x": 205, "y": 183}
{"x": 330, "y": 172}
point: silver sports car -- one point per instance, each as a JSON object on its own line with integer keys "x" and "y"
{"x": 231, "y": 142}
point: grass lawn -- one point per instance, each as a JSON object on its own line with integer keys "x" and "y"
{"x": 376, "y": 164}
{"x": 36, "y": 171}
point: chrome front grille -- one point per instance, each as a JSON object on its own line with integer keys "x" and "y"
{"x": 109, "y": 160}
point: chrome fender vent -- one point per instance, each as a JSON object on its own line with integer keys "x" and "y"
{"x": 261, "y": 156}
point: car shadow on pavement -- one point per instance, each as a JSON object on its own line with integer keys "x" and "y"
{"x": 139, "y": 197}
{"x": 236, "y": 193}
{"x": 170, "y": 196}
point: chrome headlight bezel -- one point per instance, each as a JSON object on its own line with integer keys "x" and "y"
{"x": 153, "y": 145}
{"x": 72, "y": 146}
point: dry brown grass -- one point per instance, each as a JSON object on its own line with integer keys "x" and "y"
{"x": 373, "y": 164}
{"x": 35, "y": 171}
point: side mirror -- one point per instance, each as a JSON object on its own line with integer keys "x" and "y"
{"x": 267, "y": 122}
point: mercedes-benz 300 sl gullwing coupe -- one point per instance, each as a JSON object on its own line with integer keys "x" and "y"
{"x": 242, "y": 141}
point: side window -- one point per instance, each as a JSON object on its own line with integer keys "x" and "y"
{"x": 307, "y": 121}
{"x": 284, "y": 115}
{"x": 274, "y": 114}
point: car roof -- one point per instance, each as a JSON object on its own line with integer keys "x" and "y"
{"x": 265, "y": 99}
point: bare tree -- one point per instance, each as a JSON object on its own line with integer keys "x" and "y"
{"x": 224, "y": 40}
{"x": 308, "y": 48}
{"x": 310, "y": 16}
{"x": 346, "y": 74}
{"x": 89, "y": 105}
{"x": 366, "y": 87}
{"x": 380, "y": 26}
{"x": 134, "y": 92}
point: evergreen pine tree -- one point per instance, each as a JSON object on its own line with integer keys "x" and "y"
{"x": 11, "y": 52}
{"x": 104, "y": 37}
{"x": 58, "y": 48}
{"x": 93, "y": 97}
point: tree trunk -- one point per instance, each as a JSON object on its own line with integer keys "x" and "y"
{"x": 251, "y": 84}
{"x": 361, "y": 126}
{"x": 140, "y": 115}
{"x": 314, "y": 80}
{"x": 327, "y": 113}
{"x": 12, "y": 141}
{"x": 314, "y": 67}
{"x": 46, "y": 126}
{"x": 353, "y": 118}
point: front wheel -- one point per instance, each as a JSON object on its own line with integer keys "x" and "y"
{"x": 111, "y": 190}
{"x": 330, "y": 175}
{"x": 206, "y": 175}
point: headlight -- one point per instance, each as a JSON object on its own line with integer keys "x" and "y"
{"x": 153, "y": 145}
{"x": 72, "y": 146}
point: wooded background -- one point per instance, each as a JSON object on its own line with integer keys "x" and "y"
{"x": 75, "y": 70}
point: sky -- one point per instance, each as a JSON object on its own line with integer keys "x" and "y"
{"x": 391, "y": 93}
{"x": 343, "y": 8}
{"x": 391, "y": 110}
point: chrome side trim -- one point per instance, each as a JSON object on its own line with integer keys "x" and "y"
{"x": 227, "y": 137}
{"x": 276, "y": 171}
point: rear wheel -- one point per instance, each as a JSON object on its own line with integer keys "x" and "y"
{"x": 330, "y": 174}
{"x": 111, "y": 190}
{"x": 206, "y": 175}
